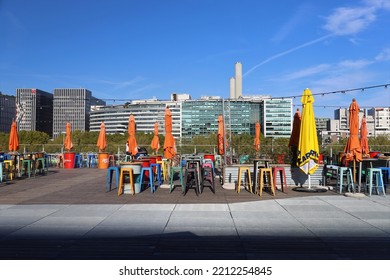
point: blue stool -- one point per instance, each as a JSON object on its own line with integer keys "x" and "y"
{"x": 378, "y": 180}
{"x": 348, "y": 174}
{"x": 110, "y": 172}
{"x": 158, "y": 172}
{"x": 91, "y": 162}
{"x": 386, "y": 176}
{"x": 78, "y": 161}
{"x": 150, "y": 169}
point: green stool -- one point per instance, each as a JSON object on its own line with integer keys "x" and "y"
{"x": 176, "y": 169}
{"x": 40, "y": 162}
{"x": 28, "y": 167}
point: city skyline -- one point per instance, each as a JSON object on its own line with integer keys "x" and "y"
{"x": 140, "y": 50}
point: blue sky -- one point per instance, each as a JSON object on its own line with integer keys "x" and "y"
{"x": 125, "y": 49}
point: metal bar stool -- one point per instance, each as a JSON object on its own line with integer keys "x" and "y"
{"x": 242, "y": 169}
{"x": 266, "y": 173}
{"x": 129, "y": 171}
{"x": 10, "y": 168}
{"x": 192, "y": 180}
{"x": 348, "y": 174}
{"x": 40, "y": 166}
{"x": 151, "y": 178}
{"x": 110, "y": 173}
{"x": 174, "y": 170}
{"x": 378, "y": 180}
{"x": 277, "y": 170}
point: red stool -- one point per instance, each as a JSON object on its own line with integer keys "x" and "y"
{"x": 283, "y": 180}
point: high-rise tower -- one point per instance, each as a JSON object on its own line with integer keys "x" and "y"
{"x": 232, "y": 88}
{"x": 238, "y": 86}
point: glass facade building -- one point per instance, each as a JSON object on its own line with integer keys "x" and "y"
{"x": 7, "y": 112}
{"x": 74, "y": 106}
{"x": 276, "y": 117}
{"x": 200, "y": 117}
{"x": 35, "y": 110}
{"x": 146, "y": 113}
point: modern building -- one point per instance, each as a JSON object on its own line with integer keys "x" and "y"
{"x": 7, "y": 112}
{"x": 74, "y": 106}
{"x": 146, "y": 113}
{"x": 34, "y": 110}
{"x": 276, "y": 117}
{"x": 381, "y": 120}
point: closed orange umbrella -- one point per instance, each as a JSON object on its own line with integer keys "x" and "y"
{"x": 13, "y": 144}
{"x": 221, "y": 135}
{"x": 155, "y": 141}
{"x": 133, "y": 149}
{"x": 363, "y": 137}
{"x": 169, "y": 143}
{"x": 352, "y": 149}
{"x": 257, "y": 137}
{"x": 294, "y": 137}
{"x": 102, "y": 143}
{"x": 68, "y": 138}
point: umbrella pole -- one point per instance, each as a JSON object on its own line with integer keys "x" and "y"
{"x": 309, "y": 182}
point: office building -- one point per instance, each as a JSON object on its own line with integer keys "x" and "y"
{"x": 7, "y": 112}
{"x": 74, "y": 106}
{"x": 34, "y": 110}
{"x": 146, "y": 113}
{"x": 276, "y": 117}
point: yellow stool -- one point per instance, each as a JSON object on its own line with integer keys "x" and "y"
{"x": 10, "y": 168}
{"x": 242, "y": 169}
{"x": 266, "y": 173}
{"x": 124, "y": 170}
{"x": 164, "y": 169}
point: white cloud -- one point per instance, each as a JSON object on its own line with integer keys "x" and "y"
{"x": 384, "y": 4}
{"x": 354, "y": 64}
{"x": 384, "y": 55}
{"x": 307, "y": 72}
{"x": 349, "y": 21}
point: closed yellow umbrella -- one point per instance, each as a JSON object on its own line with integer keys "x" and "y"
{"x": 308, "y": 142}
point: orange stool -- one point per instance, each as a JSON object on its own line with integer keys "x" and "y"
{"x": 282, "y": 174}
{"x": 124, "y": 170}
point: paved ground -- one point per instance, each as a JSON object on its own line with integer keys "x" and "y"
{"x": 67, "y": 214}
